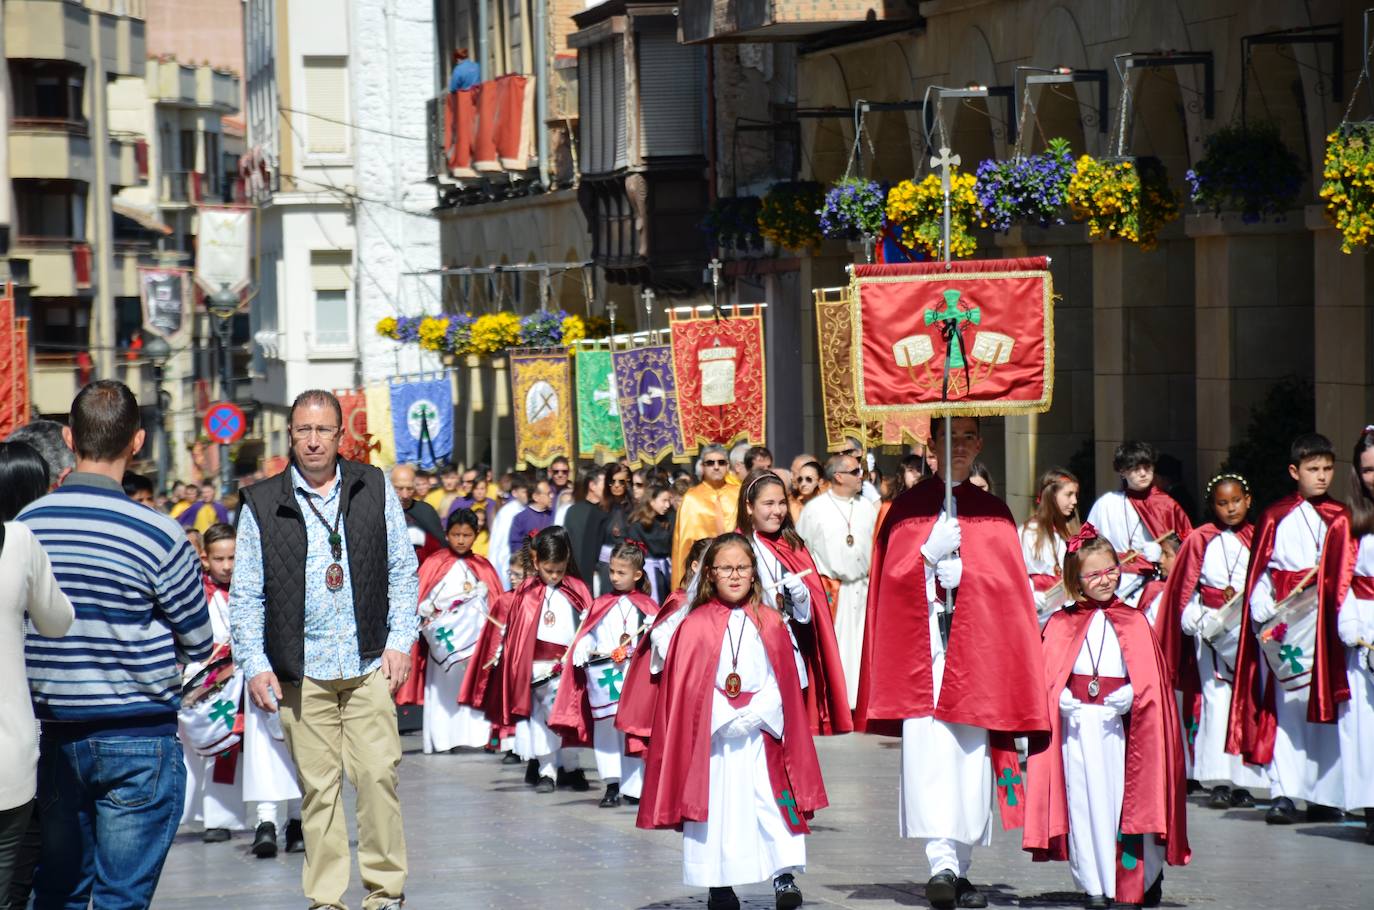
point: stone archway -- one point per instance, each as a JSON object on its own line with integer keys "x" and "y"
{"x": 1069, "y": 111}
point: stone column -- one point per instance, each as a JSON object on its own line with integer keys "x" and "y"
{"x": 1343, "y": 333}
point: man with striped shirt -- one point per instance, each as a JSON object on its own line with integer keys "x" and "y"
{"x": 110, "y": 776}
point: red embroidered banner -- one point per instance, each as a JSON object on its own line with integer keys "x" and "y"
{"x": 354, "y": 442}
{"x": 1001, "y": 350}
{"x": 721, "y": 387}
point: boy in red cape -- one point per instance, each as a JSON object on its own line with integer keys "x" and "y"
{"x": 1108, "y": 794}
{"x": 956, "y": 701}
{"x": 1293, "y": 729}
{"x": 731, "y": 761}
{"x": 476, "y": 691}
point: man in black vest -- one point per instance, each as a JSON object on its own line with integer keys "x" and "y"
{"x": 323, "y": 610}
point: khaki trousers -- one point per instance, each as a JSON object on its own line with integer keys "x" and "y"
{"x": 347, "y": 726}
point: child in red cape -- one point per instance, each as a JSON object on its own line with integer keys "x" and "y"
{"x": 476, "y": 691}
{"x": 731, "y": 760}
{"x": 1108, "y": 795}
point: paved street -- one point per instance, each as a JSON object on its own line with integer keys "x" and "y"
{"x": 479, "y": 838}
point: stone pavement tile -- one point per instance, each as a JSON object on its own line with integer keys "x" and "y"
{"x": 479, "y": 838}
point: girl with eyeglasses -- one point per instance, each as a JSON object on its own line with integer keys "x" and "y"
{"x": 793, "y": 584}
{"x": 1108, "y": 794}
{"x": 731, "y": 762}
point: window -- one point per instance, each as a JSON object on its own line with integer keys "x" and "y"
{"x": 50, "y": 208}
{"x": 326, "y": 100}
{"x": 331, "y": 276}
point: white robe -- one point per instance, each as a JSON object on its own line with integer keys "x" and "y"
{"x": 744, "y": 838}
{"x": 1355, "y": 722}
{"x": 534, "y": 738}
{"x": 1094, "y": 753}
{"x": 608, "y": 743}
{"x": 446, "y": 724}
{"x": 946, "y": 791}
{"x": 1307, "y": 757}
{"x": 1048, "y": 560}
{"x": 1224, "y": 564}
{"x": 827, "y": 523}
{"x": 498, "y": 539}
{"x": 217, "y": 805}
{"x": 1118, "y": 521}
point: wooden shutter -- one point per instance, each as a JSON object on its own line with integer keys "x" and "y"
{"x": 671, "y": 87}
{"x": 326, "y": 100}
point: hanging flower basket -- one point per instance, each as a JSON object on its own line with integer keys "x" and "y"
{"x": 1348, "y": 172}
{"x": 788, "y": 216}
{"x": 551, "y": 328}
{"x": 597, "y": 327}
{"x": 853, "y": 208}
{"x": 918, "y": 208}
{"x": 405, "y": 329}
{"x": 1123, "y": 199}
{"x": 494, "y": 332}
{"x": 1028, "y": 190}
{"x": 732, "y": 223}
{"x": 458, "y": 335}
{"x": 1248, "y": 170}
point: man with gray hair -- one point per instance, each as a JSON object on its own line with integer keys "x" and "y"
{"x": 738, "y": 465}
{"x": 856, "y": 449}
{"x": 708, "y": 509}
{"x": 46, "y": 437}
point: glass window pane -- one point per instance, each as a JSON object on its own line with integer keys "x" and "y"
{"x": 332, "y": 324}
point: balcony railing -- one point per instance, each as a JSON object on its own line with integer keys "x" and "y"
{"x": 178, "y": 186}
{"x": 485, "y": 130}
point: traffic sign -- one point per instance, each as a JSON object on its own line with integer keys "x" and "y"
{"x": 225, "y": 423}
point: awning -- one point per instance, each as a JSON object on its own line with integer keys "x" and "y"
{"x": 144, "y": 216}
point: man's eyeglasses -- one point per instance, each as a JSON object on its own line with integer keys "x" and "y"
{"x": 857, "y": 472}
{"x": 1100, "y": 574}
{"x": 558, "y": 470}
{"x": 733, "y": 571}
{"x": 305, "y": 432}
{"x": 713, "y": 463}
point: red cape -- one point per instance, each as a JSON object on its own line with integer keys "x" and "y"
{"x": 827, "y": 699}
{"x": 1178, "y": 590}
{"x": 1253, "y": 722}
{"x": 517, "y": 663}
{"x": 677, "y": 775}
{"x": 476, "y": 690}
{"x": 432, "y": 571}
{"x": 571, "y": 715}
{"x": 1160, "y": 513}
{"x": 993, "y": 666}
{"x": 1154, "y": 801}
{"x": 639, "y": 694}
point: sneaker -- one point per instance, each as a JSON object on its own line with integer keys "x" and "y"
{"x": 215, "y": 835}
{"x": 265, "y": 841}
{"x": 786, "y": 894}
{"x": 295, "y": 836}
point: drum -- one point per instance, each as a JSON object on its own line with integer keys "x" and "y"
{"x": 1289, "y": 640}
{"x": 1225, "y": 642}
{"x": 605, "y": 679}
{"x": 208, "y": 718}
{"x": 452, "y": 635}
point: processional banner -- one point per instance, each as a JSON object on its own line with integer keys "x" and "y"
{"x": 354, "y": 442}
{"x": 542, "y": 402}
{"x": 718, "y": 369}
{"x": 422, "y": 419}
{"x": 378, "y": 398}
{"x": 14, "y": 365}
{"x": 165, "y": 294}
{"x": 835, "y": 335}
{"x": 599, "y": 432}
{"x": 990, "y": 320}
{"x": 648, "y": 404}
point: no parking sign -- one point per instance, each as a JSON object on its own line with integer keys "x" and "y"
{"x": 225, "y": 423}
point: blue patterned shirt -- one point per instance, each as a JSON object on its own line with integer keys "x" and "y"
{"x": 331, "y": 629}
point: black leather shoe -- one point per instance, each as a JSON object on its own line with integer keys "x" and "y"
{"x": 1242, "y": 798}
{"x": 966, "y": 895}
{"x": 1220, "y": 798}
{"x": 265, "y": 841}
{"x": 722, "y": 899}
{"x": 786, "y": 894}
{"x": 1097, "y": 902}
{"x": 630, "y": 800}
{"x": 942, "y": 889}
{"x": 532, "y": 771}
{"x": 510, "y": 758}
{"x": 1319, "y": 813}
{"x": 575, "y": 780}
{"x": 215, "y": 835}
{"x": 545, "y": 785}
{"x": 611, "y": 798}
{"x": 1155, "y": 893}
{"x": 1282, "y": 812}
{"x": 295, "y": 836}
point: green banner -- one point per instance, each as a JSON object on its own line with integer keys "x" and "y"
{"x": 598, "y": 407}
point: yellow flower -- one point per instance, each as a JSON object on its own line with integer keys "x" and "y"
{"x": 573, "y": 329}
{"x": 386, "y": 327}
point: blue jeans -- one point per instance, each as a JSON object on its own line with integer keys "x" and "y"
{"x": 110, "y": 809}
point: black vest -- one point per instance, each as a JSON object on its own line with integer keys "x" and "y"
{"x": 282, "y": 525}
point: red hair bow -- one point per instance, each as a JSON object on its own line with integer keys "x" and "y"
{"x": 534, "y": 532}
{"x": 643, "y": 547}
{"x": 1085, "y": 534}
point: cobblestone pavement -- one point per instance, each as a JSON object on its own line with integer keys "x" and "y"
{"x": 479, "y": 838}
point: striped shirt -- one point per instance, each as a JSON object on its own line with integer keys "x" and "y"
{"x": 135, "y": 583}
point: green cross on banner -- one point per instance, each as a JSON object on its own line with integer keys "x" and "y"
{"x": 790, "y": 804}
{"x": 611, "y": 678}
{"x": 1132, "y": 845}
{"x": 1010, "y": 780}
{"x": 1291, "y": 653}
{"x": 952, "y": 313}
{"x": 224, "y": 710}
{"x": 445, "y": 636}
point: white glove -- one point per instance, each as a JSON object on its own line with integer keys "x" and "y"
{"x": 1262, "y": 603}
{"x": 478, "y": 590}
{"x": 583, "y": 652}
{"x": 948, "y": 572}
{"x": 944, "y": 539}
{"x": 1152, "y": 552}
{"x": 1120, "y": 701}
{"x": 796, "y": 589}
{"x": 737, "y": 728}
{"x": 1209, "y": 626}
{"x": 427, "y": 609}
{"x": 1068, "y": 702}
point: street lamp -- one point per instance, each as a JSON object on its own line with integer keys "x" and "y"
{"x": 223, "y": 304}
{"x": 157, "y": 352}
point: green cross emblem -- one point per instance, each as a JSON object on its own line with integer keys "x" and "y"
{"x": 952, "y": 313}
{"x": 1292, "y": 653}
{"x": 445, "y": 636}
{"x": 224, "y": 710}
{"x": 423, "y": 411}
{"x": 611, "y": 678}
{"x": 1010, "y": 780}
{"x": 1132, "y": 845}
{"x": 1192, "y": 732}
{"x": 790, "y": 804}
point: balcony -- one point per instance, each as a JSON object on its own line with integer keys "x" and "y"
{"x": 484, "y": 131}
{"x": 179, "y": 84}
{"x": 217, "y": 88}
{"x": 126, "y": 260}
{"x": 47, "y": 30}
{"x": 50, "y": 149}
{"x": 789, "y": 20}
{"x": 130, "y": 45}
{"x": 178, "y": 188}
{"x": 58, "y": 267}
{"x": 123, "y": 169}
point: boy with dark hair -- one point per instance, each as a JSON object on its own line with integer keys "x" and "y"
{"x": 138, "y": 488}
{"x": 1135, "y": 517}
{"x": 1290, "y": 669}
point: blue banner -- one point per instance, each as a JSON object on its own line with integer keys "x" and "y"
{"x": 648, "y": 404}
{"x": 422, "y": 416}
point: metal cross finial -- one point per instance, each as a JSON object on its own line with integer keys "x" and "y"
{"x": 715, "y": 266}
{"x": 944, "y": 161}
{"x": 648, "y": 296}
{"x": 610, "y": 311}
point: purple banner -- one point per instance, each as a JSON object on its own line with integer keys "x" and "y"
{"x": 648, "y": 404}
